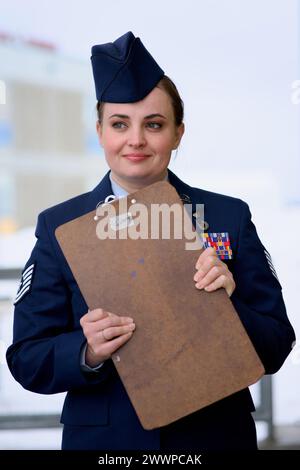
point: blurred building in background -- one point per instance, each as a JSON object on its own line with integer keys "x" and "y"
{"x": 49, "y": 152}
{"x": 48, "y": 144}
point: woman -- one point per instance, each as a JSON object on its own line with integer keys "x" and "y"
{"x": 60, "y": 346}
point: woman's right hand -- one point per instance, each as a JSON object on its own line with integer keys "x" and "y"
{"x": 105, "y": 332}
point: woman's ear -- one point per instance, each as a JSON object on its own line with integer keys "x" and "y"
{"x": 99, "y": 132}
{"x": 179, "y": 134}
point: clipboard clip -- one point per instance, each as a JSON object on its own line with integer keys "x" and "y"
{"x": 107, "y": 200}
{"x": 185, "y": 198}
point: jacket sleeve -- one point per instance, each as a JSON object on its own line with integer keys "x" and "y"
{"x": 45, "y": 354}
{"x": 258, "y": 298}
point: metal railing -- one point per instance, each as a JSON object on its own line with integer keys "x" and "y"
{"x": 264, "y": 411}
{"x": 29, "y": 421}
{"x": 10, "y": 274}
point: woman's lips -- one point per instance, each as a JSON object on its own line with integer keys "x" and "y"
{"x": 136, "y": 157}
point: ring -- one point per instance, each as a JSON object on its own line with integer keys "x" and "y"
{"x": 103, "y": 335}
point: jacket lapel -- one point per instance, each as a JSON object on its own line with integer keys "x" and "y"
{"x": 99, "y": 193}
{"x": 186, "y": 194}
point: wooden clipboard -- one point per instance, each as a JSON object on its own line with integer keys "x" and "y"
{"x": 189, "y": 348}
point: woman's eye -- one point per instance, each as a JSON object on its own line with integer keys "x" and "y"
{"x": 122, "y": 125}
{"x": 154, "y": 125}
{"x": 119, "y": 125}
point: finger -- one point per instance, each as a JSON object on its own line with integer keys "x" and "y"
{"x": 98, "y": 313}
{"x": 217, "y": 284}
{"x": 205, "y": 268}
{"x": 94, "y": 315}
{"x": 110, "y": 333}
{"x": 211, "y": 276}
{"x": 210, "y": 251}
{"x": 221, "y": 281}
{"x": 109, "y": 347}
{"x": 112, "y": 321}
{"x": 102, "y": 351}
{"x": 91, "y": 329}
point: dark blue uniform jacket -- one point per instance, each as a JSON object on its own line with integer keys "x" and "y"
{"x": 97, "y": 414}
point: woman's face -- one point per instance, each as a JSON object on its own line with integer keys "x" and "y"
{"x": 138, "y": 138}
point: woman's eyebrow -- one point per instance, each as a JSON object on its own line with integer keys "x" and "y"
{"x": 121, "y": 116}
{"x": 124, "y": 116}
{"x": 151, "y": 116}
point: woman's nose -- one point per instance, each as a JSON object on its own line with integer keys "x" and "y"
{"x": 136, "y": 137}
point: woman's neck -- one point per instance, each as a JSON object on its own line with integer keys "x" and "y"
{"x": 135, "y": 184}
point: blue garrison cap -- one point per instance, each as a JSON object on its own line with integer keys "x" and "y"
{"x": 124, "y": 71}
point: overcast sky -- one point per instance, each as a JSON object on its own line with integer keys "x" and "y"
{"x": 233, "y": 61}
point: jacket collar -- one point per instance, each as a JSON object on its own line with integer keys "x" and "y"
{"x": 99, "y": 193}
{"x": 104, "y": 189}
{"x": 185, "y": 191}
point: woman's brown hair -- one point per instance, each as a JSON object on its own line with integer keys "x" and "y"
{"x": 169, "y": 87}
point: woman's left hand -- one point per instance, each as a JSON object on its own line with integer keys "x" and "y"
{"x": 212, "y": 273}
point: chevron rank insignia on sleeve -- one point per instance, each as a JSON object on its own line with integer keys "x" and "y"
{"x": 270, "y": 263}
{"x": 25, "y": 283}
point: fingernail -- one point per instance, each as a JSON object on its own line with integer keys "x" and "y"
{"x": 199, "y": 285}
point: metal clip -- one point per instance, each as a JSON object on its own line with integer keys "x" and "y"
{"x": 185, "y": 198}
{"x": 107, "y": 200}
{"x": 202, "y": 224}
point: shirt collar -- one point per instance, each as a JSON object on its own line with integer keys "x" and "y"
{"x": 118, "y": 191}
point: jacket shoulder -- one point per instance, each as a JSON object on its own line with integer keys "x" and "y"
{"x": 67, "y": 210}
{"x": 202, "y": 196}
{"x": 217, "y": 199}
